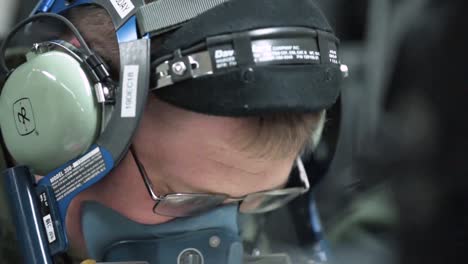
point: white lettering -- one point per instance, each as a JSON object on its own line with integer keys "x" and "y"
{"x": 130, "y": 91}
{"x": 283, "y": 48}
{"x": 123, "y": 7}
{"x": 219, "y": 54}
{"x": 56, "y": 177}
{"x": 49, "y": 228}
{"x": 261, "y": 48}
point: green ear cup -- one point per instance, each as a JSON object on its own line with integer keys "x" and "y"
{"x": 48, "y": 111}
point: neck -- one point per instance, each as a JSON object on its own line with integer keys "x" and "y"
{"x": 122, "y": 190}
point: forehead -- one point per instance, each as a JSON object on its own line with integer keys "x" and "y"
{"x": 190, "y": 152}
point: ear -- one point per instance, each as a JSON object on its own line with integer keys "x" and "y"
{"x": 315, "y": 138}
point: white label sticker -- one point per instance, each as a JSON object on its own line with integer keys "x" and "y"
{"x": 76, "y": 175}
{"x": 129, "y": 91}
{"x": 85, "y": 157}
{"x": 225, "y": 58}
{"x": 123, "y": 7}
{"x": 49, "y": 228}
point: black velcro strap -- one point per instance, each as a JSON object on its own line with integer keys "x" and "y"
{"x": 243, "y": 47}
{"x": 324, "y": 47}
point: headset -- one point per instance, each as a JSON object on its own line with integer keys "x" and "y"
{"x": 64, "y": 117}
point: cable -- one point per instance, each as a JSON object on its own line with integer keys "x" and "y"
{"x": 31, "y": 19}
{"x": 157, "y": 62}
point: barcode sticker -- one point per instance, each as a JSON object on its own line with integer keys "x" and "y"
{"x": 49, "y": 228}
{"x": 130, "y": 91}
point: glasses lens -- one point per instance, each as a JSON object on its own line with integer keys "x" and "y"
{"x": 268, "y": 201}
{"x": 182, "y": 205}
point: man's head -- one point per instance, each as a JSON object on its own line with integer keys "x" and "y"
{"x": 188, "y": 152}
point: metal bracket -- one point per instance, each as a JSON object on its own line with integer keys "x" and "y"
{"x": 187, "y": 67}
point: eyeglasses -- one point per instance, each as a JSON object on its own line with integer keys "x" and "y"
{"x": 189, "y": 204}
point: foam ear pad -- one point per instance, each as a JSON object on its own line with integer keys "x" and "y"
{"x": 49, "y": 114}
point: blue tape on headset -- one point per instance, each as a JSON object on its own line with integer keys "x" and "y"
{"x": 62, "y": 185}
{"x": 54, "y": 6}
{"x": 120, "y": 19}
{"x": 128, "y": 32}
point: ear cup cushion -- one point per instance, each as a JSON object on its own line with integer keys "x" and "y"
{"x": 49, "y": 114}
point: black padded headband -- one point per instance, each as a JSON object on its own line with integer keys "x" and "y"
{"x": 252, "y": 88}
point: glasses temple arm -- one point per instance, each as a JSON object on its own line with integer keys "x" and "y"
{"x": 144, "y": 175}
{"x": 302, "y": 173}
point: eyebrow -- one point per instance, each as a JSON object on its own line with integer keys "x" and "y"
{"x": 193, "y": 190}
